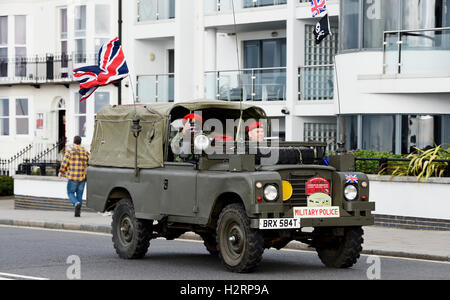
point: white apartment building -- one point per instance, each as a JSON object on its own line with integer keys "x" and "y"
{"x": 393, "y": 88}
{"x": 41, "y": 42}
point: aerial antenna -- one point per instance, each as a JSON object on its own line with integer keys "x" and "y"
{"x": 239, "y": 71}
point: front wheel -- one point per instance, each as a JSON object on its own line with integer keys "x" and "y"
{"x": 131, "y": 236}
{"x": 339, "y": 251}
{"x": 240, "y": 247}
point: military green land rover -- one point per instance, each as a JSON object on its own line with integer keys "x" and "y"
{"x": 241, "y": 197}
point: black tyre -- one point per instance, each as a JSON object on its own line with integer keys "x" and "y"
{"x": 131, "y": 236}
{"x": 240, "y": 247}
{"x": 210, "y": 242}
{"x": 339, "y": 252}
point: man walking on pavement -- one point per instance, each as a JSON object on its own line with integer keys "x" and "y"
{"x": 74, "y": 168}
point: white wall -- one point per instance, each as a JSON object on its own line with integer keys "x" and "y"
{"x": 159, "y": 48}
{"x": 46, "y": 187}
{"x": 411, "y": 199}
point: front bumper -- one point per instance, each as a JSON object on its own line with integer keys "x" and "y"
{"x": 352, "y": 214}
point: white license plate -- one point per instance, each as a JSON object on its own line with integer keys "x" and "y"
{"x": 279, "y": 223}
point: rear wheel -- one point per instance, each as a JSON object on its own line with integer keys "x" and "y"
{"x": 339, "y": 251}
{"x": 131, "y": 236}
{"x": 240, "y": 247}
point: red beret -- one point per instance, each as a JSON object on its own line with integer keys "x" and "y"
{"x": 255, "y": 125}
{"x": 192, "y": 117}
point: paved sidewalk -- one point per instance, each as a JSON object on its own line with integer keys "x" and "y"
{"x": 431, "y": 245}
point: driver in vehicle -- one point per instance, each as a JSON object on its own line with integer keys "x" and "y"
{"x": 192, "y": 123}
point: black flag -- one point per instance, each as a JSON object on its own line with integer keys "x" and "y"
{"x": 322, "y": 29}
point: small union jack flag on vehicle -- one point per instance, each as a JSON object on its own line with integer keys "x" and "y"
{"x": 318, "y": 7}
{"x": 351, "y": 178}
{"x": 111, "y": 67}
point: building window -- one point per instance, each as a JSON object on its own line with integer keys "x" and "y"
{"x": 102, "y": 19}
{"x": 80, "y": 33}
{"x": 151, "y": 10}
{"x": 3, "y": 46}
{"x": 102, "y": 26}
{"x": 4, "y": 117}
{"x": 316, "y": 78}
{"x": 321, "y": 132}
{"x": 20, "y": 45}
{"x": 63, "y": 41}
{"x": 351, "y": 132}
{"x": 378, "y": 133}
{"x": 22, "y": 117}
{"x": 101, "y": 100}
{"x": 265, "y": 85}
{"x": 363, "y": 22}
{"x": 322, "y": 54}
{"x": 80, "y": 116}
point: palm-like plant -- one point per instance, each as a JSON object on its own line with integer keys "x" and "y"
{"x": 423, "y": 163}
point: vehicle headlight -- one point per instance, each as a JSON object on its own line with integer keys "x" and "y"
{"x": 350, "y": 192}
{"x": 201, "y": 142}
{"x": 270, "y": 192}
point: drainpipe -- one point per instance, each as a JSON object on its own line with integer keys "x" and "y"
{"x": 119, "y": 86}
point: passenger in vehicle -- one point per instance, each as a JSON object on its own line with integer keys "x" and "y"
{"x": 192, "y": 123}
{"x": 256, "y": 132}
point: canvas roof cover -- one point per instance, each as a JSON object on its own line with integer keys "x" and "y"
{"x": 113, "y": 144}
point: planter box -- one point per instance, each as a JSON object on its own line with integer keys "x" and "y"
{"x": 42, "y": 193}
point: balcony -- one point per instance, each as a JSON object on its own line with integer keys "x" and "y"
{"x": 316, "y": 83}
{"x": 417, "y": 51}
{"x": 227, "y": 5}
{"x": 263, "y": 84}
{"x": 48, "y": 69}
{"x": 153, "y": 10}
{"x": 155, "y": 88}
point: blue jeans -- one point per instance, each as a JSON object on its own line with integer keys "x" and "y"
{"x": 75, "y": 191}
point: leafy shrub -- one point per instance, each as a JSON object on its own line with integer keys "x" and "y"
{"x": 373, "y": 167}
{"x": 6, "y": 186}
{"x": 423, "y": 164}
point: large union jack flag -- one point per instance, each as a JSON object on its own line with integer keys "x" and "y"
{"x": 318, "y": 7}
{"x": 111, "y": 67}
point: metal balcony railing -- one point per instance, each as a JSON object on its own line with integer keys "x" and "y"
{"x": 155, "y": 88}
{"x": 227, "y": 5}
{"x": 262, "y": 84}
{"x": 37, "y": 155}
{"x": 152, "y": 10}
{"x": 42, "y": 69}
{"x": 316, "y": 83}
{"x": 416, "y": 51}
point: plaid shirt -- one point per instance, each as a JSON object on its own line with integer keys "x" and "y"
{"x": 75, "y": 164}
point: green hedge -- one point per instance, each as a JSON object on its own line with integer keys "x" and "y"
{"x": 6, "y": 186}
{"x": 372, "y": 167}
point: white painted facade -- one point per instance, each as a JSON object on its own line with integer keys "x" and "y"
{"x": 174, "y": 55}
{"x": 43, "y": 37}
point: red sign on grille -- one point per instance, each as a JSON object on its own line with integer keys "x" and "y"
{"x": 317, "y": 185}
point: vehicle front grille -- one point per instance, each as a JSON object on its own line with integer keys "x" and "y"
{"x": 298, "y": 183}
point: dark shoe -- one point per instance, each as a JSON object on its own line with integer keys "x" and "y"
{"x": 78, "y": 210}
